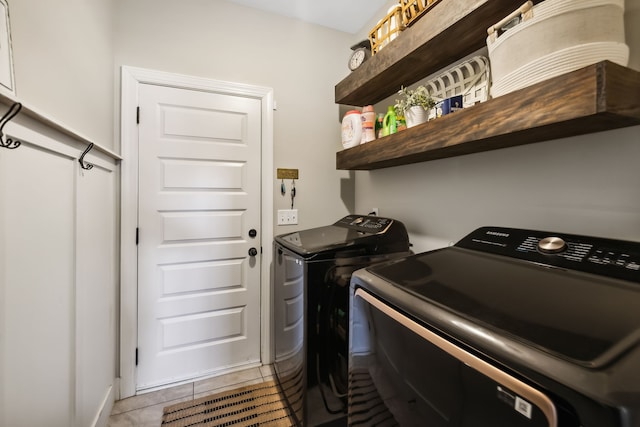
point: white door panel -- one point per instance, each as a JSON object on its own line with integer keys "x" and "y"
{"x": 186, "y": 200}
{"x": 204, "y": 150}
{"x": 207, "y": 225}
{"x": 197, "y": 276}
{"x": 172, "y": 306}
{"x": 203, "y": 175}
{"x": 201, "y": 252}
{"x": 196, "y": 328}
{"x": 199, "y": 195}
{"x": 193, "y": 123}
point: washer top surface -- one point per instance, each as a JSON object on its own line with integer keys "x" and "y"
{"x": 503, "y": 281}
{"x": 350, "y": 232}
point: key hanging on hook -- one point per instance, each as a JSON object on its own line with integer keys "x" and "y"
{"x": 293, "y": 191}
{"x": 283, "y": 189}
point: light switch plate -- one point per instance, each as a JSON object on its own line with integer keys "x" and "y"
{"x": 287, "y": 216}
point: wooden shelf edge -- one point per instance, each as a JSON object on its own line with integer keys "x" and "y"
{"x": 599, "y": 97}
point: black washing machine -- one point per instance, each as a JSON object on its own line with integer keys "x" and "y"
{"x": 312, "y": 272}
{"x": 509, "y": 327}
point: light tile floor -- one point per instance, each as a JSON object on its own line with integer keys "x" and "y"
{"x": 145, "y": 410}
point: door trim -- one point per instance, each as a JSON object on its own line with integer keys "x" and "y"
{"x": 131, "y": 78}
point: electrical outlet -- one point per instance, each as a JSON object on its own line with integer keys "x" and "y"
{"x": 373, "y": 211}
{"x": 287, "y": 216}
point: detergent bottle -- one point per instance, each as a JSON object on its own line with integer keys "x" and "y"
{"x": 368, "y": 124}
{"x": 351, "y": 129}
{"x": 379, "y": 126}
{"x": 389, "y": 124}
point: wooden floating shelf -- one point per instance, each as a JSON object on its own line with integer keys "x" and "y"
{"x": 596, "y": 98}
{"x": 450, "y": 30}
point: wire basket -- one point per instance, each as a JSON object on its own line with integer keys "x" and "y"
{"x": 387, "y": 29}
{"x": 470, "y": 79}
{"x": 414, "y": 9}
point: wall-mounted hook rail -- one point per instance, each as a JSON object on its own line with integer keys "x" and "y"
{"x": 86, "y": 165}
{"x": 13, "y": 111}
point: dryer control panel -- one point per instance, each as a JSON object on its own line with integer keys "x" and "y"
{"x": 606, "y": 257}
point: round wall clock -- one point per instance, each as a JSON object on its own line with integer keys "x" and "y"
{"x": 358, "y": 57}
{"x": 361, "y": 52}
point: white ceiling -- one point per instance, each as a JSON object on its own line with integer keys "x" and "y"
{"x": 343, "y": 15}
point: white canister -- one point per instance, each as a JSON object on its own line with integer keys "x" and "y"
{"x": 351, "y": 129}
{"x": 394, "y": 24}
{"x": 389, "y": 30}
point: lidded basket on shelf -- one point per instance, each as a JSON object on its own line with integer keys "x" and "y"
{"x": 538, "y": 42}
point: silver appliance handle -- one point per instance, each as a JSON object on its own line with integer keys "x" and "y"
{"x": 526, "y": 391}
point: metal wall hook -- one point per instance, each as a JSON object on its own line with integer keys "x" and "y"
{"x": 9, "y": 143}
{"x": 87, "y": 165}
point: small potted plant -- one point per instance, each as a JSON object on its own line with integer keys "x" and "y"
{"x": 414, "y": 105}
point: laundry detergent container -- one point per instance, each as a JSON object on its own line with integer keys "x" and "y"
{"x": 553, "y": 37}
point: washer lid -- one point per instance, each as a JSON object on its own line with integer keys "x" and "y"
{"x": 367, "y": 233}
{"x": 581, "y": 317}
{"x": 321, "y": 239}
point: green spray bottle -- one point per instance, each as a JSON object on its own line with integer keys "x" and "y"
{"x": 389, "y": 123}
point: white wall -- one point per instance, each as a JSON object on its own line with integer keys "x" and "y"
{"x": 58, "y": 239}
{"x": 58, "y": 281}
{"x": 301, "y": 62}
{"x": 584, "y": 185}
{"x": 632, "y": 31}
{"x": 63, "y": 61}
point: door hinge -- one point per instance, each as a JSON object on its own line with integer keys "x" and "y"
{"x": 138, "y": 115}
{"x": 137, "y": 235}
{"x": 136, "y": 356}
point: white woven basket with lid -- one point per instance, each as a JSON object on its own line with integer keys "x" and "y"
{"x": 552, "y": 38}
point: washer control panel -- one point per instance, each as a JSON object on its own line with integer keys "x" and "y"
{"x": 366, "y": 224}
{"x": 608, "y": 257}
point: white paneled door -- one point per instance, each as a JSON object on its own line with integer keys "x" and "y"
{"x": 199, "y": 202}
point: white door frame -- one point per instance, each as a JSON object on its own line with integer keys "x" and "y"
{"x": 131, "y": 78}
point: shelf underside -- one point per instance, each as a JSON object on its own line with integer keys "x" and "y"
{"x": 596, "y": 98}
